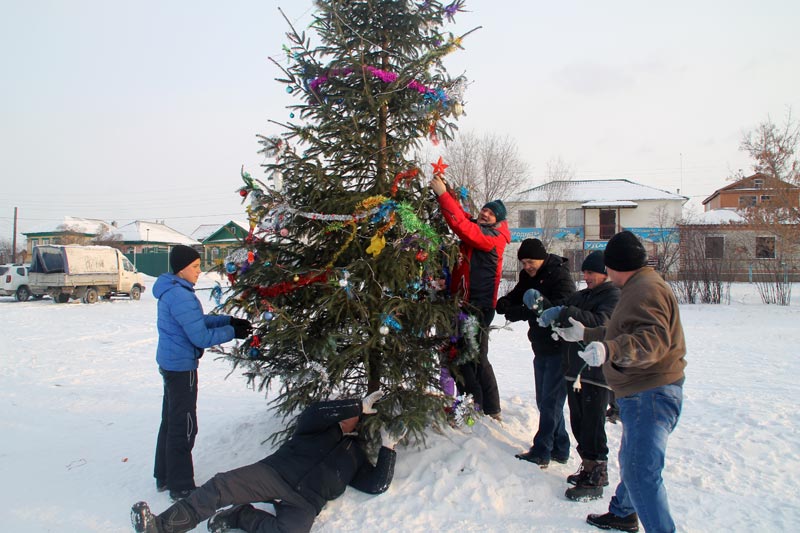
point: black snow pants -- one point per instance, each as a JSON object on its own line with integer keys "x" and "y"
{"x": 479, "y": 378}
{"x": 587, "y": 417}
{"x": 255, "y": 483}
{"x": 173, "y": 464}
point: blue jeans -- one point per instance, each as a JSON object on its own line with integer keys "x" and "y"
{"x": 551, "y": 439}
{"x": 647, "y": 420}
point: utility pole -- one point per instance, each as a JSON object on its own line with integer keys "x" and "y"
{"x": 14, "y": 239}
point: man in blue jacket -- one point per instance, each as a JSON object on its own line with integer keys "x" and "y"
{"x": 316, "y": 464}
{"x": 183, "y": 332}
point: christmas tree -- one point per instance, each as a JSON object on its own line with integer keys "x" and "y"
{"x": 344, "y": 271}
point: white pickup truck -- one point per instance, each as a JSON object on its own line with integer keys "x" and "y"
{"x": 82, "y": 272}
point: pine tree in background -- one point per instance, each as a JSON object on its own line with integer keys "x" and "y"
{"x": 342, "y": 273}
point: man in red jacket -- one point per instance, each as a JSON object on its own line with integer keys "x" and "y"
{"x": 476, "y": 279}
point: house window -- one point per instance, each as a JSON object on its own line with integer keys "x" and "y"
{"x": 758, "y": 183}
{"x": 574, "y": 218}
{"x": 45, "y": 241}
{"x": 550, "y": 218}
{"x": 765, "y": 198}
{"x": 747, "y": 201}
{"x": 34, "y": 242}
{"x": 765, "y": 247}
{"x": 527, "y": 219}
{"x": 714, "y": 247}
{"x": 215, "y": 253}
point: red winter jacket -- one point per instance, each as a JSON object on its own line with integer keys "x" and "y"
{"x": 479, "y": 269}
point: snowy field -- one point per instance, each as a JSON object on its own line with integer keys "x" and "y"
{"x": 81, "y": 397}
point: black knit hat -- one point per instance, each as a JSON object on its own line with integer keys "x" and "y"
{"x": 182, "y": 256}
{"x": 531, "y": 249}
{"x": 594, "y": 262}
{"x": 624, "y": 252}
{"x": 498, "y": 208}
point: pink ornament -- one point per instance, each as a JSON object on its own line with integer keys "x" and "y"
{"x": 284, "y": 232}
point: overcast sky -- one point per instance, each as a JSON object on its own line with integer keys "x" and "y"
{"x": 148, "y": 109}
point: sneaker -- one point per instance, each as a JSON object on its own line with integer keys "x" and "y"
{"x": 176, "y": 495}
{"x": 227, "y": 519}
{"x": 142, "y": 518}
{"x": 612, "y": 521}
{"x": 533, "y": 458}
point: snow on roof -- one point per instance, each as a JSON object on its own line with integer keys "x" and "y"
{"x": 610, "y": 203}
{"x": 155, "y": 232}
{"x": 204, "y": 231}
{"x": 716, "y": 216}
{"x": 91, "y": 226}
{"x": 595, "y": 190}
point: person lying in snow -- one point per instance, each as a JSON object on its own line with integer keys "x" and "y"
{"x": 313, "y": 467}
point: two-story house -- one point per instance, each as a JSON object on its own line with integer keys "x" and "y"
{"x": 574, "y": 217}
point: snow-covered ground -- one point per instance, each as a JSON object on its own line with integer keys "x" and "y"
{"x": 80, "y": 400}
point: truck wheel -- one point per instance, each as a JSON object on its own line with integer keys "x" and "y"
{"x": 136, "y": 292}
{"x": 22, "y": 294}
{"x": 90, "y": 296}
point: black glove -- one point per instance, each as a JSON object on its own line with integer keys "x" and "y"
{"x": 502, "y": 306}
{"x": 515, "y": 313}
{"x": 241, "y": 327}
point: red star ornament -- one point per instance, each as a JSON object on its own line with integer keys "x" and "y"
{"x": 438, "y": 167}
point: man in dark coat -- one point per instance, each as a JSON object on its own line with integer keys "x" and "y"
{"x": 543, "y": 282}
{"x": 313, "y": 467}
{"x": 587, "y": 391}
{"x": 475, "y": 279}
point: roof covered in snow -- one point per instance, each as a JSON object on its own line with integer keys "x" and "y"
{"x": 595, "y": 191}
{"x": 716, "y": 216}
{"x": 154, "y": 232}
{"x": 88, "y": 226}
{"x": 204, "y": 231}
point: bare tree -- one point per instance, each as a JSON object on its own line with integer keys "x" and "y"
{"x": 666, "y": 240}
{"x": 776, "y": 220}
{"x": 489, "y": 166}
{"x": 558, "y": 176}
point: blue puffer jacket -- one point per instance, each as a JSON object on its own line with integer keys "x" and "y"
{"x": 183, "y": 330}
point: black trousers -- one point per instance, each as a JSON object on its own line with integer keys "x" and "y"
{"x": 255, "y": 483}
{"x": 479, "y": 379}
{"x": 587, "y": 417}
{"x": 173, "y": 464}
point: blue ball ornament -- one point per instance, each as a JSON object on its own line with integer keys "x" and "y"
{"x": 267, "y": 316}
{"x": 254, "y": 352}
{"x": 230, "y": 267}
{"x": 290, "y": 90}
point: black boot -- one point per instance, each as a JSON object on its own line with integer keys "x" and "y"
{"x": 227, "y": 519}
{"x": 582, "y": 473}
{"x": 176, "y": 519}
{"x": 590, "y": 487}
{"x": 612, "y": 521}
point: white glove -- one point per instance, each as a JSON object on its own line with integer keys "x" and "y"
{"x": 571, "y": 334}
{"x": 594, "y": 354}
{"x": 389, "y": 440}
{"x": 369, "y": 401}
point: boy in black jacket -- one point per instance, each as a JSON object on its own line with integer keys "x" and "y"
{"x": 544, "y": 281}
{"x": 313, "y": 467}
{"x": 588, "y": 393}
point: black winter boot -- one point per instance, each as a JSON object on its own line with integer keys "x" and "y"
{"x": 178, "y": 518}
{"x": 227, "y": 519}
{"x": 612, "y": 521}
{"x": 582, "y": 473}
{"x": 591, "y": 487}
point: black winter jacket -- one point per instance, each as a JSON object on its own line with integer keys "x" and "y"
{"x": 555, "y": 283}
{"x": 319, "y": 461}
{"x": 590, "y": 307}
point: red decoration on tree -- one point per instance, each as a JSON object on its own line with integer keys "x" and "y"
{"x": 422, "y": 255}
{"x": 286, "y": 287}
{"x": 242, "y": 192}
{"x": 405, "y": 175}
{"x": 439, "y": 167}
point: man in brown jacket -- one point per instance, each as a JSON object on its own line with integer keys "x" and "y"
{"x": 641, "y": 349}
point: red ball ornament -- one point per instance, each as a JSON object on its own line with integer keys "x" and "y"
{"x": 422, "y": 255}
{"x": 243, "y": 193}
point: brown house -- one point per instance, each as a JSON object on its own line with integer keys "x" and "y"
{"x": 754, "y": 191}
